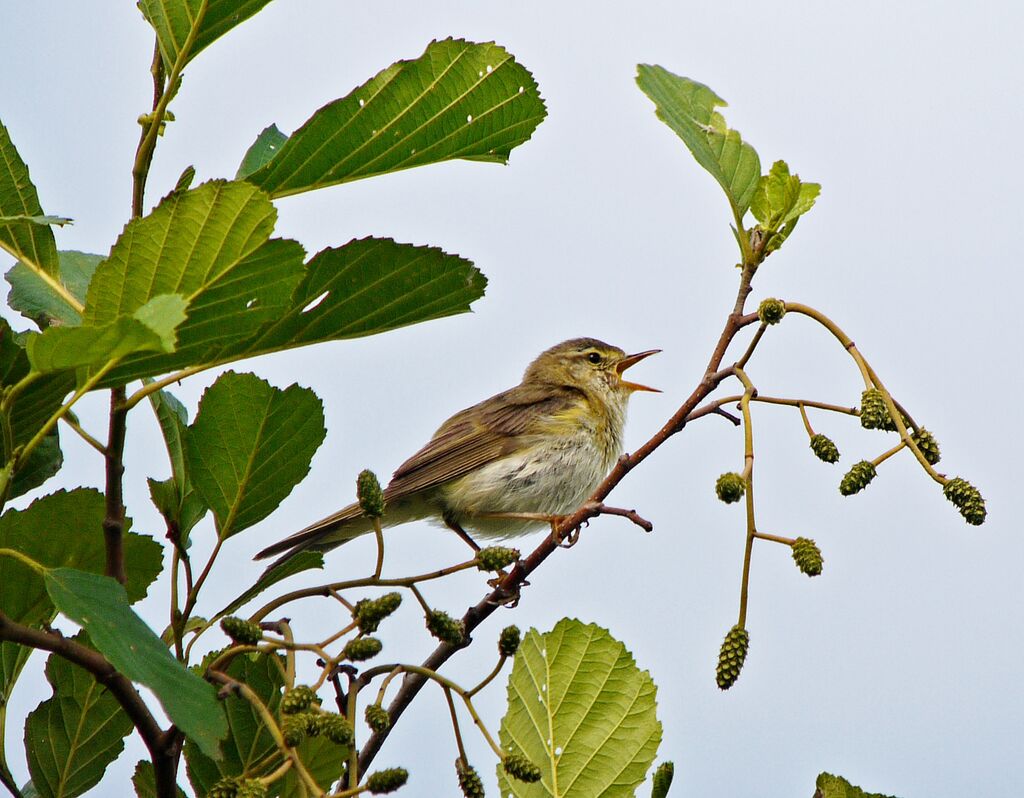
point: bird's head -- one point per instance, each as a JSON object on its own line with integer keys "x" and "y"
{"x": 589, "y": 365}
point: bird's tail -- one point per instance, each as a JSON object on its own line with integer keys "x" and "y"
{"x": 326, "y": 534}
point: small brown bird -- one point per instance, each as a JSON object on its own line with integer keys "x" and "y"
{"x": 538, "y": 449}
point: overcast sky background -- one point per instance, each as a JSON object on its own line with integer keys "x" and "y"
{"x": 899, "y": 667}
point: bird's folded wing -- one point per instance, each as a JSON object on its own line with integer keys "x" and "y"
{"x": 480, "y": 435}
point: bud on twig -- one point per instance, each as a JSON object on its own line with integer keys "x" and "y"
{"x": 771, "y": 311}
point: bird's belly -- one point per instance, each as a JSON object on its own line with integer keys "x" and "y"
{"x": 553, "y": 480}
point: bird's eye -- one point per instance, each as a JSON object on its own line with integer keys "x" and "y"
{"x": 594, "y": 357}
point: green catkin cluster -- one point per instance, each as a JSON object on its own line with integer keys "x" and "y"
{"x": 298, "y": 699}
{"x": 824, "y": 448}
{"x": 362, "y": 649}
{"x": 508, "y": 641}
{"x": 928, "y": 445}
{"x": 807, "y": 556}
{"x": 225, "y": 788}
{"x": 389, "y": 780}
{"x": 873, "y": 412}
{"x": 968, "y": 500}
{"x": 241, "y": 631}
{"x": 445, "y": 628}
{"x": 293, "y": 729}
{"x": 376, "y": 717}
{"x": 662, "y": 779}
{"x": 469, "y": 780}
{"x": 521, "y": 768}
{"x": 494, "y": 558}
{"x": 368, "y": 613}
{"x": 371, "y": 497}
{"x": 730, "y": 487}
{"x": 252, "y": 788}
{"x": 731, "y": 657}
{"x": 857, "y": 478}
{"x": 335, "y": 728}
{"x": 771, "y": 310}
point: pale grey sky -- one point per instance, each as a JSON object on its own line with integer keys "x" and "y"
{"x": 899, "y": 666}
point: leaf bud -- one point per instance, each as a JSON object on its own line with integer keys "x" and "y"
{"x": 376, "y": 717}
{"x": 469, "y": 780}
{"x": 771, "y": 311}
{"x": 508, "y": 641}
{"x": 445, "y": 628}
{"x": 968, "y": 500}
{"x": 824, "y": 448}
{"x": 371, "y": 497}
{"x": 369, "y": 613}
{"x": 731, "y": 657}
{"x": 241, "y": 631}
{"x": 928, "y": 445}
{"x": 362, "y": 648}
{"x": 521, "y": 768}
{"x": 387, "y": 780}
{"x": 494, "y": 558}
{"x": 857, "y": 478}
{"x": 298, "y": 699}
{"x": 807, "y": 556}
{"x": 662, "y": 779}
{"x": 730, "y": 487}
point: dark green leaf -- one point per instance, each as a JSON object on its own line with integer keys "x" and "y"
{"x": 829, "y": 786}
{"x": 268, "y": 143}
{"x": 36, "y": 300}
{"x": 688, "y": 108}
{"x": 249, "y": 748}
{"x": 302, "y": 561}
{"x": 249, "y": 446}
{"x": 144, "y": 779}
{"x": 366, "y": 287}
{"x": 27, "y": 241}
{"x": 70, "y": 739}
{"x": 100, "y": 606}
{"x": 174, "y": 21}
{"x": 150, "y": 328}
{"x": 581, "y": 711}
{"x": 42, "y": 463}
{"x": 457, "y": 100}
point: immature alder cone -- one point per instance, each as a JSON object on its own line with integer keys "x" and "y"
{"x": 928, "y": 445}
{"x": 857, "y": 478}
{"x": 521, "y": 768}
{"x": 241, "y": 631}
{"x": 369, "y": 613}
{"x": 362, "y": 648}
{"x": 377, "y": 718}
{"x": 371, "y": 497}
{"x": 968, "y": 500}
{"x": 494, "y": 558}
{"x": 293, "y": 729}
{"x": 731, "y": 657}
{"x": 387, "y": 780}
{"x": 508, "y": 641}
{"x": 729, "y": 487}
{"x": 771, "y": 311}
{"x": 662, "y": 780}
{"x": 298, "y": 699}
{"x": 469, "y": 780}
{"x": 873, "y": 412}
{"x": 807, "y": 556}
{"x": 824, "y": 448}
{"x": 252, "y": 788}
{"x": 335, "y": 728}
{"x": 445, "y": 628}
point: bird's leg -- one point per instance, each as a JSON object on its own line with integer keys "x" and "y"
{"x": 548, "y": 518}
{"x": 455, "y": 527}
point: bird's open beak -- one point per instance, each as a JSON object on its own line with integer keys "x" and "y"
{"x": 631, "y": 360}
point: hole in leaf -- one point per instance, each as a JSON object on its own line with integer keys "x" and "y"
{"x": 315, "y": 302}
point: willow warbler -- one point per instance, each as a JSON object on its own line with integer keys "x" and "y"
{"x": 538, "y": 449}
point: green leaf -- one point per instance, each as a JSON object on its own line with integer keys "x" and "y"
{"x": 249, "y": 747}
{"x": 580, "y": 710}
{"x": 829, "y": 786}
{"x": 302, "y": 561}
{"x": 62, "y": 529}
{"x": 23, "y": 238}
{"x": 457, "y": 100}
{"x": 36, "y": 300}
{"x": 268, "y": 143}
{"x": 30, "y": 411}
{"x": 100, "y": 606}
{"x": 150, "y": 328}
{"x": 366, "y": 287}
{"x": 70, "y": 739}
{"x": 779, "y": 202}
{"x": 688, "y": 108}
{"x": 144, "y": 779}
{"x": 176, "y": 20}
{"x": 175, "y": 498}
{"x": 249, "y": 446}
